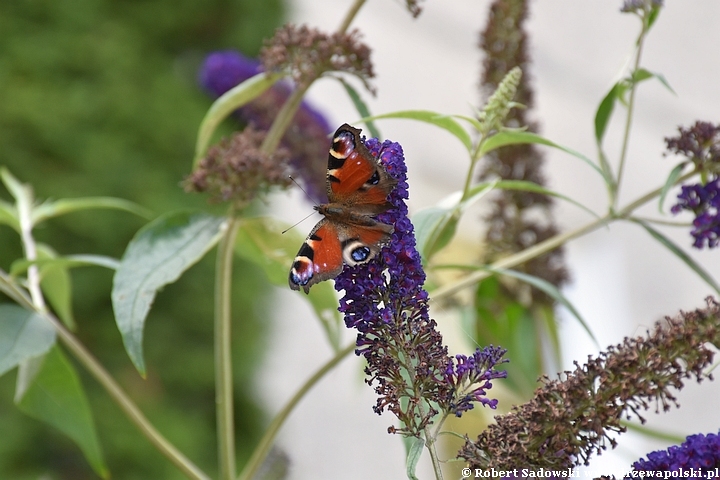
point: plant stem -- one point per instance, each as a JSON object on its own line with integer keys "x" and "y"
{"x": 548, "y": 245}
{"x": 283, "y": 119}
{"x": 630, "y": 109}
{"x": 24, "y": 206}
{"x": 354, "y": 9}
{"x": 133, "y": 413}
{"x": 430, "y": 445}
{"x": 263, "y": 448}
{"x": 223, "y": 352}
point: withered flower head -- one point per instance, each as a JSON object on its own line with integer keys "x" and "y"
{"x": 699, "y": 143}
{"x": 236, "y": 170}
{"x": 570, "y": 419}
{"x": 307, "y": 53}
{"x": 413, "y": 7}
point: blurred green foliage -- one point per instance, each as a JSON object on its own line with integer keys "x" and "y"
{"x": 99, "y": 97}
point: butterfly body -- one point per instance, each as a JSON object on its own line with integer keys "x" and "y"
{"x": 357, "y": 189}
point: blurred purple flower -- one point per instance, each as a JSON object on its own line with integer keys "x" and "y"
{"x": 307, "y": 136}
{"x": 385, "y": 301}
{"x": 704, "y": 202}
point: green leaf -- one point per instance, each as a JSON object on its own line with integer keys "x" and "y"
{"x": 436, "y": 226}
{"x": 69, "y": 261}
{"x": 669, "y": 183}
{"x": 55, "y": 395}
{"x": 604, "y": 112}
{"x": 429, "y": 224}
{"x": 16, "y": 189}
{"x": 414, "y": 452}
{"x": 56, "y": 208}
{"x": 360, "y": 106}
{"x": 56, "y": 285}
{"x": 23, "y": 335}
{"x": 502, "y": 320}
{"x": 642, "y": 74}
{"x": 667, "y": 243}
{"x": 230, "y": 101}
{"x": 550, "y": 289}
{"x": 259, "y": 241}
{"x": 514, "y": 137}
{"x": 439, "y": 120}
{"x": 9, "y": 216}
{"x": 158, "y": 254}
{"x": 526, "y": 186}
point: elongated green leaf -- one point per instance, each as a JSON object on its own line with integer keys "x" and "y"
{"x": 669, "y": 183}
{"x": 158, "y": 254}
{"x": 55, "y": 396}
{"x": 477, "y": 124}
{"x": 360, "y": 106}
{"x": 667, "y": 243}
{"x": 230, "y": 101}
{"x": 428, "y": 223}
{"x": 604, "y": 112}
{"x": 23, "y": 335}
{"x": 259, "y": 241}
{"x": 9, "y": 215}
{"x": 56, "y": 285}
{"x": 642, "y": 74}
{"x": 529, "y": 187}
{"x": 19, "y": 267}
{"x": 413, "y": 456}
{"x": 439, "y": 120}
{"x": 550, "y": 289}
{"x": 514, "y": 137}
{"x": 436, "y": 226}
{"x": 56, "y": 208}
{"x": 16, "y": 189}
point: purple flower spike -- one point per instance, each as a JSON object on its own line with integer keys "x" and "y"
{"x": 698, "y": 454}
{"x": 704, "y": 202}
{"x": 384, "y": 300}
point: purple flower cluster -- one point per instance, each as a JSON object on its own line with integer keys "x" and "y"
{"x": 698, "y": 452}
{"x": 704, "y": 202}
{"x": 384, "y": 300}
{"x": 306, "y": 137}
{"x": 700, "y": 144}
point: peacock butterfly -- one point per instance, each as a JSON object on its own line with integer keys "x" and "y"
{"x": 357, "y": 188}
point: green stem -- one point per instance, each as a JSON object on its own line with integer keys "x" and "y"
{"x": 630, "y": 109}
{"x": 125, "y": 403}
{"x": 283, "y": 119}
{"x": 223, "y": 352}
{"x": 430, "y": 445}
{"x": 266, "y": 443}
{"x": 474, "y": 157}
{"x": 354, "y": 9}
{"x": 548, "y": 245}
{"x": 24, "y": 206}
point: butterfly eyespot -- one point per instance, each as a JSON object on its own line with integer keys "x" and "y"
{"x": 374, "y": 180}
{"x": 355, "y": 252}
{"x": 360, "y": 254}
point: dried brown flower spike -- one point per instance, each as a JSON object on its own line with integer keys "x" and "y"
{"x": 236, "y": 170}
{"x": 570, "y": 419}
{"x": 307, "y": 53}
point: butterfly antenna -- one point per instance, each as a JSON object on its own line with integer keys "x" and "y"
{"x": 304, "y": 191}
{"x": 295, "y": 225}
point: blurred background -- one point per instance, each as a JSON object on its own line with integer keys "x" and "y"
{"x": 100, "y": 98}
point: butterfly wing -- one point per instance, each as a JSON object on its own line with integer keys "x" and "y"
{"x": 354, "y": 177}
{"x": 330, "y": 244}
